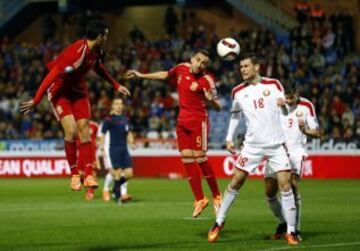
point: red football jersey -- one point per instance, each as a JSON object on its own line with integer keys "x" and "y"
{"x": 190, "y": 90}
{"x": 67, "y": 72}
{"x": 73, "y": 63}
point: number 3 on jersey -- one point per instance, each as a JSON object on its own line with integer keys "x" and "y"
{"x": 259, "y": 103}
{"x": 291, "y": 121}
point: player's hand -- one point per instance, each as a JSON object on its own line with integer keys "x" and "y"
{"x": 124, "y": 90}
{"x": 281, "y": 102}
{"x": 230, "y": 147}
{"x": 302, "y": 126}
{"x": 209, "y": 95}
{"x": 132, "y": 146}
{"x": 130, "y": 74}
{"x": 27, "y": 106}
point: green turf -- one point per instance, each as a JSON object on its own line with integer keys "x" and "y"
{"x": 43, "y": 214}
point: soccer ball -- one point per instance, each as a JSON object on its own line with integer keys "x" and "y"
{"x": 228, "y": 49}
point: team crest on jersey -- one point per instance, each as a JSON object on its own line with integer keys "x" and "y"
{"x": 179, "y": 78}
{"x": 298, "y": 114}
{"x": 266, "y": 92}
{"x": 194, "y": 86}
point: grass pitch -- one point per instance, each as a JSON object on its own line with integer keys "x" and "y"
{"x": 43, "y": 214}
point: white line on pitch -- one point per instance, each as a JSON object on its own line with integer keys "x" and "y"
{"x": 314, "y": 246}
{"x": 199, "y": 218}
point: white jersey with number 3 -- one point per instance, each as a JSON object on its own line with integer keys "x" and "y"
{"x": 295, "y": 139}
{"x": 258, "y": 104}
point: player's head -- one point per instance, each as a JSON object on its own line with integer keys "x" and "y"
{"x": 199, "y": 61}
{"x": 291, "y": 94}
{"x": 98, "y": 31}
{"x": 117, "y": 107}
{"x": 249, "y": 66}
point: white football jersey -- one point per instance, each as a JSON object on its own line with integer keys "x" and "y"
{"x": 295, "y": 138}
{"x": 258, "y": 105}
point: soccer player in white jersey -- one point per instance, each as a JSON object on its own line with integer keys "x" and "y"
{"x": 260, "y": 100}
{"x": 297, "y": 125}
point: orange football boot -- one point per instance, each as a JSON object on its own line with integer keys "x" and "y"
{"x": 90, "y": 182}
{"x": 199, "y": 206}
{"x": 291, "y": 239}
{"x": 75, "y": 183}
{"x": 214, "y": 232}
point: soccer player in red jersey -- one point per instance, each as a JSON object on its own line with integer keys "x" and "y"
{"x": 195, "y": 87}
{"x": 68, "y": 95}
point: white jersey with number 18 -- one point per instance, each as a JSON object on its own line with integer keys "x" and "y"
{"x": 258, "y": 104}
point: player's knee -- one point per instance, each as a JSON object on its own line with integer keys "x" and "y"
{"x": 201, "y": 159}
{"x": 284, "y": 187}
{"x": 128, "y": 174}
{"x": 70, "y": 133}
{"x": 117, "y": 174}
{"x": 187, "y": 159}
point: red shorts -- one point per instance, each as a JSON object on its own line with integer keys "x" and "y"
{"x": 63, "y": 106}
{"x": 193, "y": 134}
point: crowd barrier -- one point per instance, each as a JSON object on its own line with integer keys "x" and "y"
{"x": 167, "y": 163}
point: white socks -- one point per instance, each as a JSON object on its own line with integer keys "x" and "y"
{"x": 276, "y": 208}
{"x": 124, "y": 188}
{"x": 229, "y": 198}
{"x": 298, "y": 211}
{"x": 288, "y": 204}
{"x": 108, "y": 180}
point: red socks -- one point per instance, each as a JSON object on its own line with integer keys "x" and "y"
{"x": 209, "y": 175}
{"x": 194, "y": 179}
{"x": 86, "y": 158}
{"x": 70, "y": 152}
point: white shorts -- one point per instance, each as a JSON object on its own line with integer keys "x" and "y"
{"x": 296, "y": 159}
{"x": 250, "y": 158}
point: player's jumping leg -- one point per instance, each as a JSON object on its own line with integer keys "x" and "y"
{"x": 209, "y": 175}
{"x": 288, "y": 205}
{"x": 194, "y": 179}
{"x": 271, "y": 189}
{"x": 230, "y": 195}
{"x": 86, "y": 153}
{"x": 69, "y": 126}
{"x": 295, "y": 179}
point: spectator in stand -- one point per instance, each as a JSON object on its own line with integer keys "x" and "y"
{"x": 302, "y": 10}
{"x": 317, "y": 13}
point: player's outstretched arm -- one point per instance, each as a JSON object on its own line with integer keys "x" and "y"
{"x": 102, "y": 72}
{"x": 210, "y": 96}
{"x": 28, "y": 106}
{"x": 159, "y": 75}
{"x": 234, "y": 122}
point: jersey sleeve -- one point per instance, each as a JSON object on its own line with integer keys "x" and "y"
{"x": 71, "y": 58}
{"x": 105, "y": 125}
{"x": 173, "y": 71}
{"x": 235, "y": 107}
{"x": 311, "y": 120}
{"x": 279, "y": 91}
